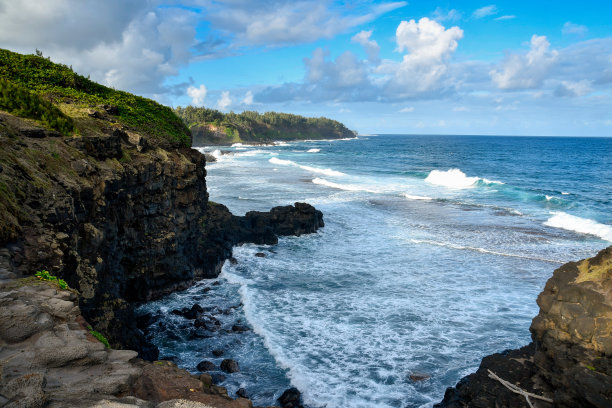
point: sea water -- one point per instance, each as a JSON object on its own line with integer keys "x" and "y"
{"x": 432, "y": 256}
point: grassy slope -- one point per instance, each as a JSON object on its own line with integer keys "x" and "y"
{"x": 73, "y": 93}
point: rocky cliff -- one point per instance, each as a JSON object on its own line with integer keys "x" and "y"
{"x": 121, "y": 219}
{"x": 569, "y": 362}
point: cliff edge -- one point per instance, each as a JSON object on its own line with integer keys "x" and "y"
{"x": 569, "y": 362}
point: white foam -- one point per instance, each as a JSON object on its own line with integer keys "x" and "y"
{"x": 345, "y": 187}
{"x": 548, "y": 198}
{"x": 582, "y": 225}
{"x": 327, "y": 172}
{"x": 565, "y": 193}
{"x": 313, "y": 150}
{"x": 282, "y": 162}
{"x": 453, "y": 178}
{"x": 416, "y": 197}
{"x": 481, "y": 250}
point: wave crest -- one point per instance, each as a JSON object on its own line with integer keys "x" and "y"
{"x": 455, "y": 178}
{"x": 577, "y": 224}
{"x": 327, "y": 172}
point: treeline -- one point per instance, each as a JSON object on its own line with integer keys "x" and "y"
{"x": 251, "y": 126}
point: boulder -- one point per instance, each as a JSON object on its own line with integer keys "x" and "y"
{"x": 206, "y": 366}
{"x": 230, "y": 366}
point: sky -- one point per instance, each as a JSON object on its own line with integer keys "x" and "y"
{"x": 409, "y": 67}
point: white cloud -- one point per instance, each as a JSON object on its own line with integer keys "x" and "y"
{"x": 485, "y": 11}
{"x": 570, "y": 28}
{"x": 224, "y": 101}
{"x": 526, "y": 71}
{"x": 345, "y": 71}
{"x": 441, "y": 15}
{"x": 129, "y": 45}
{"x": 506, "y": 17}
{"x": 574, "y": 88}
{"x": 248, "y": 98}
{"x": 285, "y": 22}
{"x": 429, "y": 47}
{"x": 371, "y": 47}
{"x": 197, "y": 95}
{"x": 407, "y": 109}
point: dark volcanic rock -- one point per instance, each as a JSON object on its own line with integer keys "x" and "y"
{"x": 242, "y": 393}
{"x": 206, "y": 366}
{"x": 291, "y": 398}
{"x": 230, "y": 366}
{"x": 218, "y": 352}
{"x": 570, "y": 359}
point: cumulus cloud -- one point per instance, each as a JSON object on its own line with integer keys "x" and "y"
{"x": 485, "y": 11}
{"x": 570, "y": 28}
{"x": 429, "y": 46}
{"x": 128, "y": 45}
{"x": 197, "y": 95}
{"x": 224, "y": 101}
{"x": 285, "y": 22}
{"x": 527, "y": 71}
{"x": 248, "y": 98}
{"x": 371, "y": 46}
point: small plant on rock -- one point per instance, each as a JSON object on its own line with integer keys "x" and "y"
{"x": 44, "y": 275}
{"x": 98, "y": 336}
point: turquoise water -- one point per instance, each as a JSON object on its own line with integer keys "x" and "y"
{"x": 434, "y": 251}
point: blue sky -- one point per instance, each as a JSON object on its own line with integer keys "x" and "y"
{"x": 447, "y": 67}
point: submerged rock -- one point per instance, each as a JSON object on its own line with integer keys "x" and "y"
{"x": 230, "y": 366}
{"x": 206, "y": 366}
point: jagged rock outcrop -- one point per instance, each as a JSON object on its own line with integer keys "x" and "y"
{"x": 570, "y": 359}
{"x": 120, "y": 220}
{"x": 49, "y": 358}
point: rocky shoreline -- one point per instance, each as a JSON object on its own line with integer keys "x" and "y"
{"x": 569, "y": 362}
{"x": 122, "y": 219}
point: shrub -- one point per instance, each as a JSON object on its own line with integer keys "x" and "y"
{"x": 98, "y": 336}
{"x": 21, "y": 102}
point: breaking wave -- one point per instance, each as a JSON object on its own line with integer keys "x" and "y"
{"x": 577, "y": 224}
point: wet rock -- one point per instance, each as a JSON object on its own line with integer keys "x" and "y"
{"x": 239, "y": 328}
{"x": 206, "y": 366}
{"x": 230, "y": 366}
{"x": 144, "y": 321}
{"x": 260, "y": 255}
{"x": 419, "y": 376}
{"x": 218, "y": 352}
{"x": 242, "y": 393}
{"x": 291, "y": 398}
{"x": 210, "y": 158}
{"x": 233, "y": 260}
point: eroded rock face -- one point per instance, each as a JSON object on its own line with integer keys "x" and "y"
{"x": 573, "y": 332}
{"x": 570, "y": 359}
{"x": 119, "y": 222}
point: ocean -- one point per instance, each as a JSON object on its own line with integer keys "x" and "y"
{"x": 433, "y": 253}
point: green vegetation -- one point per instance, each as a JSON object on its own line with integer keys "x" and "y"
{"x": 44, "y": 275}
{"x": 21, "y": 102}
{"x": 60, "y": 83}
{"x": 212, "y": 126}
{"x": 98, "y": 336}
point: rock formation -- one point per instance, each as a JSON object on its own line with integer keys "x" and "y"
{"x": 121, "y": 220}
{"x": 570, "y": 359}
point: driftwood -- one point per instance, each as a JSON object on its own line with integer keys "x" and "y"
{"x": 516, "y": 389}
